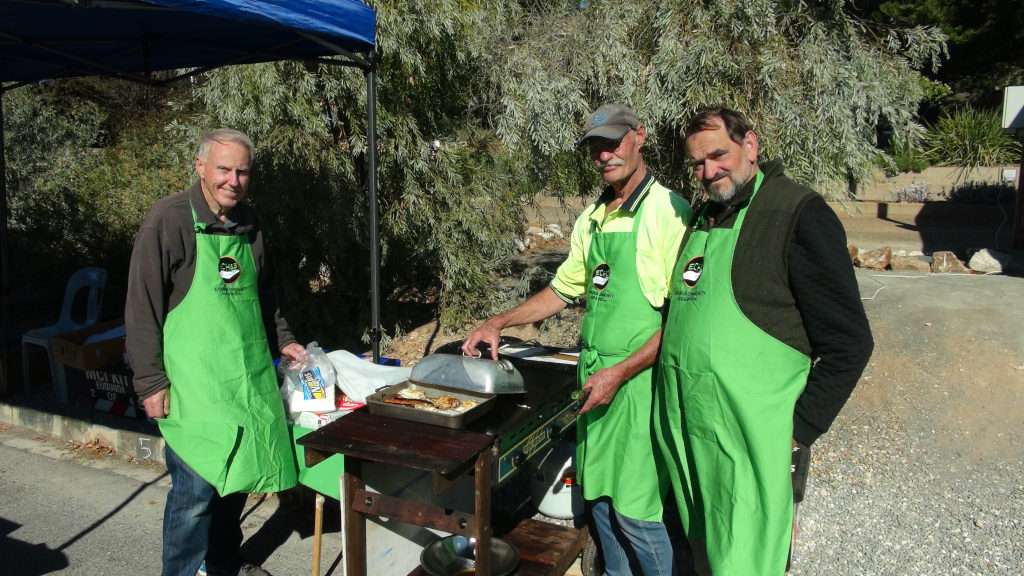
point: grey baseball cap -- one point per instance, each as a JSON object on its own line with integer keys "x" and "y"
{"x": 611, "y": 121}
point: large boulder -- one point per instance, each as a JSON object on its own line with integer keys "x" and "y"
{"x": 945, "y": 262}
{"x": 990, "y": 261}
{"x": 911, "y": 264}
{"x": 878, "y": 259}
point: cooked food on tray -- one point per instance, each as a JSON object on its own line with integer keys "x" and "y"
{"x": 413, "y": 395}
{"x": 413, "y": 392}
{"x": 408, "y": 401}
{"x": 446, "y": 402}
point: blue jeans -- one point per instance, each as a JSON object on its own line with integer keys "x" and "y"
{"x": 199, "y": 524}
{"x": 630, "y": 546}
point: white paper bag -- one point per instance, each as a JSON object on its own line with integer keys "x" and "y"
{"x": 359, "y": 378}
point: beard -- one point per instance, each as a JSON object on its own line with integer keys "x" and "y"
{"x": 719, "y": 194}
{"x": 729, "y": 184}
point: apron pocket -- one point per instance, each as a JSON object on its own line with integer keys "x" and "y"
{"x": 207, "y": 446}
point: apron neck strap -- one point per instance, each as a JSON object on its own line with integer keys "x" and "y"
{"x": 648, "y": 182}
{"x": 741, "y": 215}
{"x": 697, "y": 220}
{"x": 196, "y": 224}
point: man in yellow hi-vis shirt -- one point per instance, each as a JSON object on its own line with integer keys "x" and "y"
{"x": 621, "y": 255}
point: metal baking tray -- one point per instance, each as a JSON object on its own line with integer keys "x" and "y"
{"x": 376, "y": 405}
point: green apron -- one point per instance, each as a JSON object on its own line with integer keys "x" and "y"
{"x": 615, "y": 451}
{"x": 226, "y": 418}
{"x": 724, "y": 404}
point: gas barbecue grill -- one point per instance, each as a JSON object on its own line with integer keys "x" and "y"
{"x": 523, "y": 425}
{"x": 500, "y": 449}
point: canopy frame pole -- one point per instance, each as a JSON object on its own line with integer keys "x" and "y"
{"x": 5, "y": 272}
{"x": 369, "y": 67}
{"x": 371, "y": 182}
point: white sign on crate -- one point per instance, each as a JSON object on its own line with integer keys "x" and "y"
{"x": 1013, "y": 108}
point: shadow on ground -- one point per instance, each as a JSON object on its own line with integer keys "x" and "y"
{"x": 24, "y": 559}
{"x": 294, "y": 514}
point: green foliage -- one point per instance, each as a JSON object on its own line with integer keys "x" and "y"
{"x": 906, "y": 156}
{"x": 447, "y": 219}
{"x": 504, "y": 87}
{"x": 971, "y": 138}
{"x": 86, "y": 160}
{"x": 812, "y": 80}
{"x": 49, "y": 141}
{"x": 986, "y": 40}
{"x": 934, "y": 91}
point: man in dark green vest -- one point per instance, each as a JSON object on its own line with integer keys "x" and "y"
{"x": 764, "y": 340}
{"x": 621, "y": 253}
{"x": 200, "y": 316}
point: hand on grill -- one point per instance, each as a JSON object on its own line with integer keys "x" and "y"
{"x": 488, "y": 333}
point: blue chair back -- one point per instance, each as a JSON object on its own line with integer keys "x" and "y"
{"x": 95, "y": 281}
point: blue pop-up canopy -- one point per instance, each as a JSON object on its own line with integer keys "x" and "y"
{"x": 55, "y": 39}
{"x": 42, "y": 39}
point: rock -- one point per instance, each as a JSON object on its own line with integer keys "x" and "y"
{"x": 519, "y": 244}
{"x": 555, "y": 229}
{"x": 534, "y": 231}
{"x": 546, "y": 235}
{"x": 876, "y": 259}
{"x": 916, "y": 192}
{"x": 993, "y": 261}
{"x": 945, "y": 261}
{"x": 853, "y": 250}
{"x": 910, "y": 264}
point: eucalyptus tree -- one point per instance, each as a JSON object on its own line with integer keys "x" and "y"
{"x": 815, "y": 81}
{"x": 85, "y": 159}
{"x": 480, "y": 104}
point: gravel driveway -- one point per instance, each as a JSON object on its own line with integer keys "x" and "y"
{"x": 923, "y": 472}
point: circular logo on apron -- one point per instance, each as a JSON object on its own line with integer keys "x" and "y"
{"x": 601, "y": 275}
{"x": 691, "y": 273}
{"x": 229, "y": 269}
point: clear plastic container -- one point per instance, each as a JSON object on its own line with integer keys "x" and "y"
{"x": 310, "y": 382}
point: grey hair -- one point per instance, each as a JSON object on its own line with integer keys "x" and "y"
{"x": 223, "y": 136}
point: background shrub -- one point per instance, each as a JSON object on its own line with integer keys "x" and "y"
{"x": 971, "y": 138}
{"x": 504, "y": 87}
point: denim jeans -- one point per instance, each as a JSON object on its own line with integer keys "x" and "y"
{"x": 199, "y": 524}
{"x": 630, "y": 546}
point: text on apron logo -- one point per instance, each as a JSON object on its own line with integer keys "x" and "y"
{"x": 691, "y": 273}
{"x": 229, "y": 269}
{"x": 601, "y": 275}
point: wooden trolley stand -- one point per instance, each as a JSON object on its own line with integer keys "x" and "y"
{"x": 447, "y": 454}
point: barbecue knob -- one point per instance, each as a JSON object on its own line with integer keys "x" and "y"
{"x": 518, "y": 459}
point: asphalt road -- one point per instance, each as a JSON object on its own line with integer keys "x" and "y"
{"x": 76, "y": 512}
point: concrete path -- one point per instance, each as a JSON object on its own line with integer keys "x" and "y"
{"x": 76, "y": 510}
